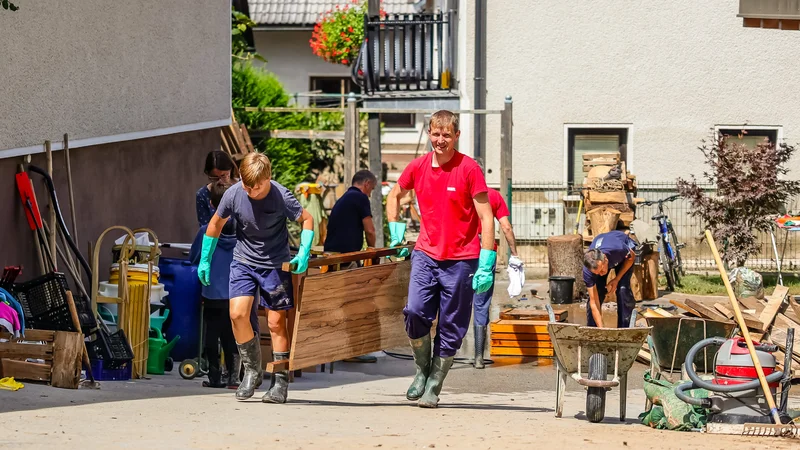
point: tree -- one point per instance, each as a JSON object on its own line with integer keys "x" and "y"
{"x": 750, "y": 186}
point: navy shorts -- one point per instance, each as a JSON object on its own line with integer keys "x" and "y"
{"x": 275, "y": 285}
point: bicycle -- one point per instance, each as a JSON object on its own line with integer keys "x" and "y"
{"x": 669, "y": 253}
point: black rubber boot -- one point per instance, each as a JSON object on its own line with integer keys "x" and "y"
{"x": 422, "y": 359}
{"x": 480, "y": 342}
{"x": 279, "y": 389}
{"x": 214, "y": 378}
{"x": 233, "y": 374}
{"x": 433, "y": 387}
{"x": 250, "y": 352}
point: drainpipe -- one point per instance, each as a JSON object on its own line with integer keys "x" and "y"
{"x": 480, "y": 81}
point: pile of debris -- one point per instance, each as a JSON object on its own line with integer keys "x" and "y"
{"x": 767, "y": 320}
{"x": 609, "y": 194}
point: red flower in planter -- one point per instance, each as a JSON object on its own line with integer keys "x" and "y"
{"x": 339, "y": 33}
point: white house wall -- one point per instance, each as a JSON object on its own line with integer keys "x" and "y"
{"x": 672, "y": 70}
{"x": 104, "y": 71}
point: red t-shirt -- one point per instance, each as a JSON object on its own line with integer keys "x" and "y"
{"x": 449, "y": 228}
{"x": 499, "y": 208}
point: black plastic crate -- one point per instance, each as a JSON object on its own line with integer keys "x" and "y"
{"x": 113, "y": 349}
{"x": 44, "y": 304}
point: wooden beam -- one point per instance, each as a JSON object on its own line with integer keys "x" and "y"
{"x": 306, "y": 134}
{"x": 22, "y": 370}
{"x": 32, "y": 335}
{"x": 751, "y": 322}
{"x": 705, "y": 311}
{"x": 67, "y": 355}
{"x": 342, "y": 258}
{"x": 503, "y": 351}
{"x": 774, "y": 303}
{"x": 686, "y": 308}
{"x": 13, "y": 350}
{"x": 376, "y": 167}
{"x": 540, "y": 337}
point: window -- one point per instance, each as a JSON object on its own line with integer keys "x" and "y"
{"x": 583, "y": 140}
{"x": 345, "y": 85}
{"x": 750, "y": 136}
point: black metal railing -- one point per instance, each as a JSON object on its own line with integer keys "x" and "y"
{"x": 407, "y": 52}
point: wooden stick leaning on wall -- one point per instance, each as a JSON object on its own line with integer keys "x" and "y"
{"x": 743, "y": 329}
{"x": 77, "y": 324}
{"x": 52, "y": 242}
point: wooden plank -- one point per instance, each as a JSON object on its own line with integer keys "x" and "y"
{"x": 67, "y": 355}
{"x": 608, "y": 197}
{"x": 751, "y": 303}
{"x": 306, "y": 134}
{"x": 686, "y": 308}
{"x": 536, "y": 337}
{"x": 350, "y": 313}
{"x": 342, "y": 258}
{"x": 502, "y": 351}
{"x": 22, "y": 351}
{"x": 663, "y": 312}
{"x": 224, "y": 143}
{"x": 751, "y": 322}
{"x": 248, "y": 143}
{"x": 533, "y": 314}
{"x": 521, "y": 344}
{"x": 705, "y": 311}
{"x": 774, "y": 303}
{"x": 32, "y": 335}
{"x": 22, "y": 370}
{"x": 796, "y": 309}
{"x": 518, "y": 326}
{"x": 778, "y": 333}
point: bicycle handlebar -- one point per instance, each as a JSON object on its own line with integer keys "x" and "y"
{"x": 663, "y": 200}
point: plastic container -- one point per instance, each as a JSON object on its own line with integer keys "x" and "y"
{"x": 44, "y": 303}
{"x": 102, "y": 373}
{"x": 179, "y": 277}
{"x": 136, "y": 272}
{"x": 159, "y": 352}
{"x": 561, "y": 289}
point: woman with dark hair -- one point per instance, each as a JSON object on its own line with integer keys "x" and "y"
{"x": 219, "y": 167}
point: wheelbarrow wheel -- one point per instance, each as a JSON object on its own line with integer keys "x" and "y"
{"x": 596, "y": 396}
{"x": 189, "y": 369}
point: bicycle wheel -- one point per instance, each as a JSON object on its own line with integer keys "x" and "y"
{"x": 677, "y": 249}
{"x": 666, "y": 267}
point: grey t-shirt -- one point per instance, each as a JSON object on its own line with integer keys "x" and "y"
{"x": 262, "y": 239}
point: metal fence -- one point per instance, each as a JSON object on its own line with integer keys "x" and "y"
{"x": 543, "y": 209}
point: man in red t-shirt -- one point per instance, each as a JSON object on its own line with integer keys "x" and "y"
{"x": 482, "y": 301}
{"x": 449, "y": 264}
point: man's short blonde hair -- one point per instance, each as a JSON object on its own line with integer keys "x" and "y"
{"x": 255, "y": 167}
{"x": 443, "y": 119}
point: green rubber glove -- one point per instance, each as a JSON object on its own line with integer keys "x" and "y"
{"x": 204, "y": 269}
{"x": 484, "y": 276}
{"x": 301, "y": 259}
{"x": 397, "y": 234}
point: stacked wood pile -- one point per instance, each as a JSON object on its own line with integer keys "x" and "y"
{"x": 236, "y": 140}
{"x": 767, "y": 320}
{"x": 609, "y": 201}
{"x": 523, "y": 332}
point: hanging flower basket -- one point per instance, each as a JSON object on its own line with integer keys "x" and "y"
{"x": 338, "y": 34}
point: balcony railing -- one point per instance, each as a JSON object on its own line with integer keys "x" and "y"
{"x": 407, "y": 52}
{"x": 770, "y": 9}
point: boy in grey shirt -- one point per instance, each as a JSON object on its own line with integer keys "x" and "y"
{"x": 260, "y": 207}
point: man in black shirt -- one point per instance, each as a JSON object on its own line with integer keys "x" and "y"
{"x": 351, "y": 217}
{"x": 350, "y": 220}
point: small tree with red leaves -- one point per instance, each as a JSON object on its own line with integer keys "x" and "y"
{"x": 750, "y": 187}
{"x": 338, "y": 34}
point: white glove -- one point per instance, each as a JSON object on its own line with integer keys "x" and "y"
{"x": 516, "y": 276}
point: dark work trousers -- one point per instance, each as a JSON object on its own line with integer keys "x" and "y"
{"x": 625, "y": 301}
{"x": 443, "y": 288}
{"x": 216, "y": 315}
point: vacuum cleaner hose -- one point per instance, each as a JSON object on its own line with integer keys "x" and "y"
{"x": 697, "y": 382}
{"x": 52, "y": 191}
{"x": 681, "y": 394}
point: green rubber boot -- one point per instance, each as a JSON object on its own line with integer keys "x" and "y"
{"x": 250, "y": 352}
{"x": 435, "y": 381}
{"x": 422, "y": 359}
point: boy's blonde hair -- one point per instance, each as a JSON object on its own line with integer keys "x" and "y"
{"x": 443, "y": 119}
{"x": 255, "y": 167}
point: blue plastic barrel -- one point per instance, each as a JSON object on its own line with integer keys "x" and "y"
{"x": 180, "y": 280}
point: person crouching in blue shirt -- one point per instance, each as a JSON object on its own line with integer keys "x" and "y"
{"x": 216, "y": 303}
{"x": 612, "y": 250}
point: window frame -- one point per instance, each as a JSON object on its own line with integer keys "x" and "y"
{"x": 571, "y": 129}
{"x": 763, "y": 130}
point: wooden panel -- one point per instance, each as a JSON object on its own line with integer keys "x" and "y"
{"x": 32, "y": 335}
{"x": 774, "y": 303}
{"x": 521, "y": 344}
{"x": 608, "y": 197}
{"x": 751, "y": 322}
{"x": 518, "y": 326}
{"x": 705, "y": 311}
{"x": 502, "y": 351}
{"x": 533, "y": 314}
{"x": 350, "y": 313}
{"x": 686, "y": 307}
{"x": 22, "y": 351}
{"x": 541, "y": 337}
{"x": 67, "y": 353}
{"x": 22, "y": 370}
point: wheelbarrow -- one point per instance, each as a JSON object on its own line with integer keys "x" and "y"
{"x": 595, "y": 351}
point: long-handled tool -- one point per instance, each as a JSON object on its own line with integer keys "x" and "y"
{"x": 745, "y": 333}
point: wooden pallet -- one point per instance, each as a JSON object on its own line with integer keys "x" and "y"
{"x": 60, "y": 351}
{"x": 521, "y": 337}
{"x": 236, "y": 140}
{"x": 591, "y": 160}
